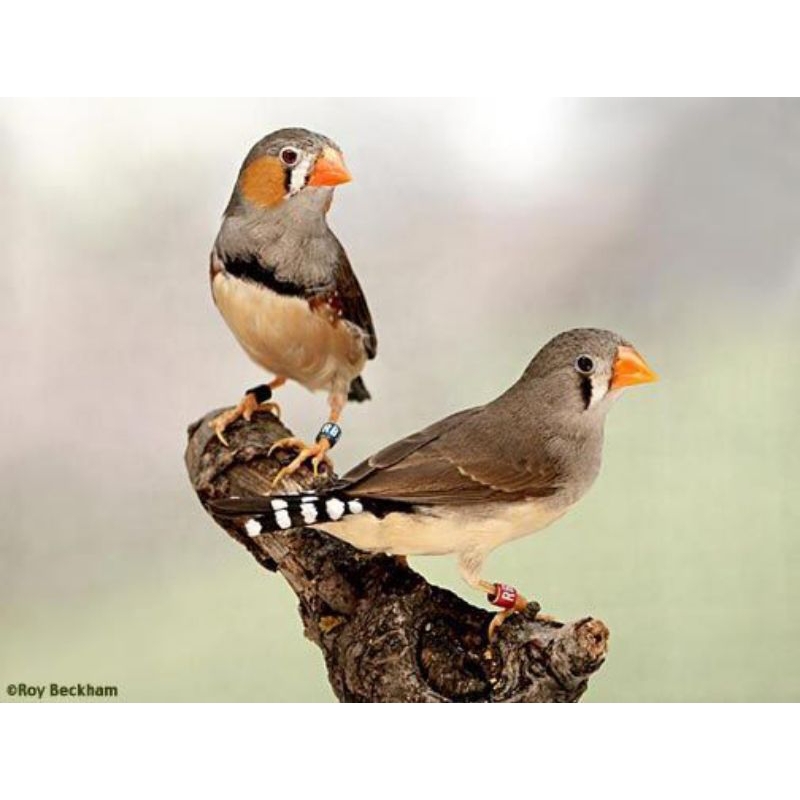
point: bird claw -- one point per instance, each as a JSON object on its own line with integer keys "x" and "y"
{"x": 318, "y": 459}
{"x": 289, "y": 443}
{"x": 247, "y": 406}
{"x": 315, "y": 452}
{"x": 221, "y": 422}
{"x": 497, "y": 620}
{"x": 268, "y": 407}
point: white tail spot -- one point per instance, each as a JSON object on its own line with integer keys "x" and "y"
{"x": 253, "y": 527}
{"x": 309, "y": 512}
{"x": 355, "y": 507}
{"x": 277, "y": 505}
{"x": 335, "y": 508}
{"x": 283, "y": 519}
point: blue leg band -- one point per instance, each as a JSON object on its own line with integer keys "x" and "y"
{"x": 330, "y": 431}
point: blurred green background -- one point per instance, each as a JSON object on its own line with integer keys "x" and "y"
{"x": 479, "y": 229}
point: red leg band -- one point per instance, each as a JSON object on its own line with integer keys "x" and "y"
{"x": 504, "y": 596}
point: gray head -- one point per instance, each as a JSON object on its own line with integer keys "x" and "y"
{"x": 284, "y": 164}
{"x": 580, "y": 371}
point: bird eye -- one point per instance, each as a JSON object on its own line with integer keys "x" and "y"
{"x": 289, "y": 156}
{"x": 584, "y": 365}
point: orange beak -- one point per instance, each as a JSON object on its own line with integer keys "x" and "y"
{"x": 329, "y": 170}
{"x": 630, "y": 368}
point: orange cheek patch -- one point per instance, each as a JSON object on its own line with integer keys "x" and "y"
{"x": 262, "y": 182}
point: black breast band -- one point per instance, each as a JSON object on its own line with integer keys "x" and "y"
{"x": 252, "y": 270}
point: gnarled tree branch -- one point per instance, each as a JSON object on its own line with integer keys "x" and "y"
{"x": 386, "y": 634}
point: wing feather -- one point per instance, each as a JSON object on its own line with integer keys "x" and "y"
{"x": 352, "y": 303}
{"x": 460, "y": 459}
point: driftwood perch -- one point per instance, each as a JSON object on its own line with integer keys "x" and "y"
{"x": 386, "y": 634}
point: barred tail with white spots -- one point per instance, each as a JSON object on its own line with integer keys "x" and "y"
{"x": 295, "y": 511}
{"x": 283, "y": 512}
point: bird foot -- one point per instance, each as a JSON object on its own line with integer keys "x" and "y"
{"x": 316, "y": 452}
{"x": 507, "y": 598}
{"x": 248, "y": 406}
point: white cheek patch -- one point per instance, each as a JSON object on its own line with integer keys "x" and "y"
{"x": 599, "y": 388}
{"x": 300, "y": 174}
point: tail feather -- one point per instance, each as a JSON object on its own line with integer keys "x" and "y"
{"x": 358, "y": 391}
{"x": 283, "y": 512}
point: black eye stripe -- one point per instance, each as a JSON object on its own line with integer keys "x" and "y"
{"x": 586, "y": 390}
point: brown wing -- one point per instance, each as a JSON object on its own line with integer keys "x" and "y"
{"x": 352, "y": 304}
{"x": 403, "y": 448}
{"x": 471, "y": 457}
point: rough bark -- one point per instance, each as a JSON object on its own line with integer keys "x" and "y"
{"x": 386, "y": 634}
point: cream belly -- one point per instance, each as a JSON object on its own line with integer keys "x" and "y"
{"x": 472, "y": 536}
{"x": 283, "y": 335}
